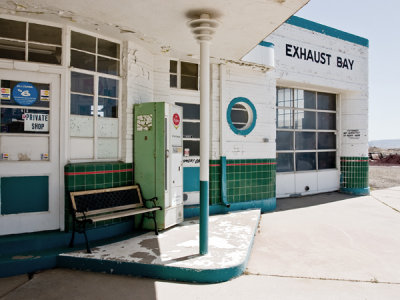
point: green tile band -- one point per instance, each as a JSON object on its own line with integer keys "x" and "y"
{"x": 246, "y": 180}
{"x": 354, "y": 175}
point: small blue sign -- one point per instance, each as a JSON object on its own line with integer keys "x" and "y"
{"x": 25, "y": 93}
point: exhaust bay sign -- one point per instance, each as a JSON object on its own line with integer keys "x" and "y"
{"x": 36, "y": 122}
{"x": 318, "y": 57}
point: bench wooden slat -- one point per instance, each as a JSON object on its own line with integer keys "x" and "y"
{"x": 122, "y": 214}
{"x": 106, "y": 210}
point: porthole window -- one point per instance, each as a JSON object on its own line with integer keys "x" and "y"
{"x": 241, "y": 116}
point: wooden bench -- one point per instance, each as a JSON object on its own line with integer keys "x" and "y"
{"x": 93, "y": 206}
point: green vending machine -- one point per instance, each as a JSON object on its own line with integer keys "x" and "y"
{"x": 158, "y": 158}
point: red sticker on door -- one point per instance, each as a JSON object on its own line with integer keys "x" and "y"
{"x": 176, "y": 120}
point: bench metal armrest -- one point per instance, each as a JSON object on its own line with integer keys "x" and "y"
{"x": 154, "y": 199}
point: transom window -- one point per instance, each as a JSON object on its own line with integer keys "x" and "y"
{"x": 306, "y": 130}
{"x": 30, "y": 42}
{"x": 94, "y": 54}
{"x": 184, "y": 75}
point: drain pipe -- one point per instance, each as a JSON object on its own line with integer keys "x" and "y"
{"x": 222, "y": 109}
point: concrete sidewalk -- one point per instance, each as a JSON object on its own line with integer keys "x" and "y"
{"x": 329, "y": 246}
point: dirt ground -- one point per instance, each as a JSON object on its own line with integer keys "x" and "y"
{"x": 381, "y": 177}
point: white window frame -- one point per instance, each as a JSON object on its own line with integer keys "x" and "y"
{"x": 179, "y": 74}
{"x": 26, "y": 40}
{"x": 316, "y": 131}
{"x": 96, "y": 76}
{"x": 189, "y": 121}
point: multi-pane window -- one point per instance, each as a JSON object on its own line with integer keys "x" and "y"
{"x": 95, "y": 96}
{"x": 191, "y": 129}
{"x": 306, "y": 130}
{"x": 94, "y": 54}
{"x": 30, "y": 42}
{"x": 184, "y": 75}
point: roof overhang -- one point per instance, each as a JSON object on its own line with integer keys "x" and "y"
{"x": 163, "y": 24}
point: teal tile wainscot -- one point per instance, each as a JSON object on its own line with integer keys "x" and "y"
{"x": 354, "y": 175}
{"x": 240, "y": 184}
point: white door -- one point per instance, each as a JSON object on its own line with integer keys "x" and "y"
{"x": 29, "y": 152}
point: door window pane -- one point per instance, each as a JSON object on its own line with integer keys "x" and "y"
{"x": 108, "y": 87}
{"x": 305, "y": 141}
{"x": 42, "y": 90}
{"x": 284, "y": 162}
{"x": 44, "y": 34}
{"x": 327, "y": 121}
{"x": 193, "y": 146}
{"x": 17, "y": 120}
{"x": 326, "y": 160}
{"x": 81, "y": 105}
{"x": 191, "y": 130}
{"x": 305, "y": 161}
{"x": 190, "y": 111}
{"x": 304, "y": 119}
{"x": 83, "y": 60}
{"x": 284, "y": 140}
{"x": 107, "y": 108}
{"x": 82, "y": 83}
{"x": 326, "y": 140}
{"x": 326, "y": 101}
{"x": 284, "y": 118}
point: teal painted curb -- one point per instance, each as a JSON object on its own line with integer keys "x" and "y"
{"x": 264, "y": 205}
{"x": 204, "y": 213}
{"x": 158, "y": 271}
{"x": 329, "y": 31}
{"x": 27, "y": 253}
{"x": 355, "y": 191}
{"x": 20, "y": 244}
{"x": 12, "y": 267}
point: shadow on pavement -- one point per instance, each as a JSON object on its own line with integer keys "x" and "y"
{"x": 307, "y": 201}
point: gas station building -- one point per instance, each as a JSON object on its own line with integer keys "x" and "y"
{"x": 94, "y": 98}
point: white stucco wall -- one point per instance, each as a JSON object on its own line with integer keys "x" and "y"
{"x": 259, "y": 87}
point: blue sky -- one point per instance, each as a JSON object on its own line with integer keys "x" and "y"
{"x": 379, "y": 23}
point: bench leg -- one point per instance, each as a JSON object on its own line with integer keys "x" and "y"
{"x": 71, "y": 243}
{"x": 155, "y": 223}
{"x": 87, "y": 242}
